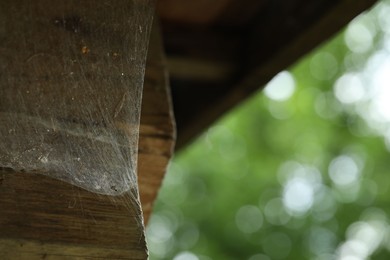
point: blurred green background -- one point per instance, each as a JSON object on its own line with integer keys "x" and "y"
{"x": 299, "y": 171}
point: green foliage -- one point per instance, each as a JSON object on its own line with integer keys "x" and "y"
{"x": 302, "y": 177}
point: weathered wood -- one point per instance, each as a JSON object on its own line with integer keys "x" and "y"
{"x": 158, "y": 130}
{"x": 44, "y": 218}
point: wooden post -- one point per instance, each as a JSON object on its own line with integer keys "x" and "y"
{"x": 45, "y": 218}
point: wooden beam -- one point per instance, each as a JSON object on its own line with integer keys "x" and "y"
{"x": 266, "y": 53}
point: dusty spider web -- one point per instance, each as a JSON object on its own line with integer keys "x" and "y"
{"x": 71, "y": 77}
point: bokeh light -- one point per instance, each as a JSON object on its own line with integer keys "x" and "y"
{"x": 349, "y": 89}
{"x": 281, "y": 87}
{"x": 185, "y": 256}
{"x": 359, "y": 37}
{"x": 344, "y": 171}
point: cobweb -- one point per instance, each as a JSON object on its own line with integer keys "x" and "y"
{"x": 71, "y": 77}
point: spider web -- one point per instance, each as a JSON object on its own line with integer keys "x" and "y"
{"x": 71, "y": 77}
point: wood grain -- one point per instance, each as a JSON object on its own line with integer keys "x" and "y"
{"x": 158, "y": 129}
{"x": 44, "y": 218}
